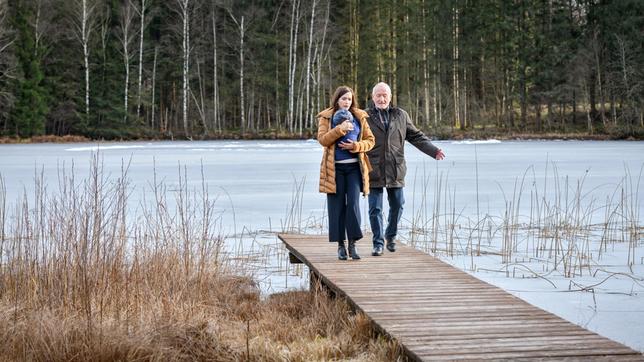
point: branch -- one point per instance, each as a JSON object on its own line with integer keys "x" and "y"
{"x": 233, "y": 17}
{"x": 6, "y": 46}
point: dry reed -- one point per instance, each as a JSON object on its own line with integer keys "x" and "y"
{"x": 563, "y": 225}
{"x": 84, "y": 275}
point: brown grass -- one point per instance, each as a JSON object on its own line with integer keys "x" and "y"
{"x": 215, "y": 322}
{"x": 84, "y": 276}
{"x": 45, "y": 139}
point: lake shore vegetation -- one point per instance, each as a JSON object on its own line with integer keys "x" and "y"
{"x": 85, "y": 275}
{"x": 438, "y": 134}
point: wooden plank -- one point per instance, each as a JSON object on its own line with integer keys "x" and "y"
{"x": 536, "y": 349}
{"x": 399, "y": 316}
{"x": 503, "y": 334}
{"x": 438, "y": 312}
{"x": 570, "y": 341}
{"x": 527, "y": 355}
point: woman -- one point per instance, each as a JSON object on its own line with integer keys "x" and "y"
{"x": 345, "y": 134}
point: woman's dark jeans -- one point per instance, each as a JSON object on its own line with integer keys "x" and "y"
{"x": 344, "y": 205}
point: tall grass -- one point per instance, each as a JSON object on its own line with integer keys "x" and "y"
{"x": 87, "y": 275}
{"x": 563, "y": 225}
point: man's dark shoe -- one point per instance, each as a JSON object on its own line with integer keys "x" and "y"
{"x": 342, "y": 251}
{"x": 391, "y": 246}
{"x": 377, "y": 250}
{"x": 352, "y": 250}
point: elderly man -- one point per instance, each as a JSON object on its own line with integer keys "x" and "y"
{"x": 391, "y": 127}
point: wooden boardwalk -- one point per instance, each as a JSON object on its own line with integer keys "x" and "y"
{"x": 438, "y": 312}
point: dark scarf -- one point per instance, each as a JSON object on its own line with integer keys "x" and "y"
{"x": 384, "y": 116}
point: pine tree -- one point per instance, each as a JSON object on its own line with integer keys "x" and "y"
{"x": 28, "y": 115}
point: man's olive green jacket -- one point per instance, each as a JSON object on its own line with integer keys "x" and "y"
{"x": 387, "y": 157}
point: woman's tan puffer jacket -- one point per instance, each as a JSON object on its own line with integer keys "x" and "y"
{"x": 328, "y": 136}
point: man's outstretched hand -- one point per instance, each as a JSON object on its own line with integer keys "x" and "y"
{"x": 440, "y": 155}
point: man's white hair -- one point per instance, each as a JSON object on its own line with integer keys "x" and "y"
{"x": 381, "y": 85}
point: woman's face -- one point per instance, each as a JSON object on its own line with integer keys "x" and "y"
{"x": 345, "y": 100}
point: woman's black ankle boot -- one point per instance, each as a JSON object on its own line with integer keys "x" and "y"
{"x": 342, "y": 250}
{"x": 352, "y": 250}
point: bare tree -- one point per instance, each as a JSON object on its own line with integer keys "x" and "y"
{"x": 4, "y": 42}
{"x": 436, "y": 87}
{"x": 200, "y": 103}
{"x": 318, "y": 60}
{"x": 455, "y": 71}
{"x": 215, "y": 81}
{"x": 308, "y": 75}
{"x": 580, "y": 76}
{"x": 425, "y": 51}
{"x": 126, "y": 36}
{"x": 6, "y": 39}
{"x": 354, "y": 42}
{"x": 84, "y": 16}
{"x": 142, "y": 22}
{"x": 631, "y": 88}
{"x": 104, "y": 25}
{"x": 596, "y": 47}
{"x": 185, "y": 7}
{"x": 292, "y": 62}
{"x": 41, "y": 25}
{"x": 154, "y": 79}
{"x": 241, "y": 26}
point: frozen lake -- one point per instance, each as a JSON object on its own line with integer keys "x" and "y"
{"x": 257, "y": 179}
{"x": 256, "y": 184}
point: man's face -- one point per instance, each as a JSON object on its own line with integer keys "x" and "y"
{"x": 381, "y": 97}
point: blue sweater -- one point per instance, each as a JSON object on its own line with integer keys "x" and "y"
{"x": 340, "y": 116}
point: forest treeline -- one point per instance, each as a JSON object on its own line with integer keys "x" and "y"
{"x": 207, "y": 68}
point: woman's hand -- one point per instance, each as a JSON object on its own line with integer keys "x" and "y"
{"x": 346, "y": 126}
{"x": 347, "y": 145}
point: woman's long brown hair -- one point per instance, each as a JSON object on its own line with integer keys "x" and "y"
{"x": 339, "y": 92}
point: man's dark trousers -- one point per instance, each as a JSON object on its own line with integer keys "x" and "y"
{"x": 396, "y": 201}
